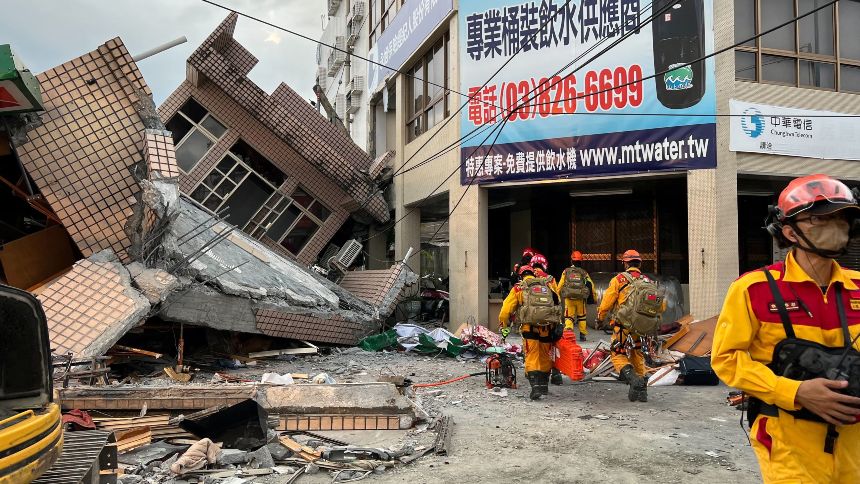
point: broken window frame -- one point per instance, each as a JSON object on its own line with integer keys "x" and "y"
{"x": 197, "y": 127}
{"x": 225, "y": 177}
{"x": 265, "y": 218}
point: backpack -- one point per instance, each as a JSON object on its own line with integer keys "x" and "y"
{"x": 538, "y": 307}
{"x": 575, "y": 286}
{"x": 642, "y": 310}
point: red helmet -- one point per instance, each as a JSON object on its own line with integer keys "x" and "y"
{"x": 525, "y": 268}
{"x": 819, "y": 194}
{"x": 539, "y": 260}
{"x": 529, "y": 252}
{"x": 576, "y": 256}
{"x": 631, "y": 255}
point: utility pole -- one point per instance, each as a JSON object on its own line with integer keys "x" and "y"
{"x": 347, "y": 76}
{"x": 329, "y": 109}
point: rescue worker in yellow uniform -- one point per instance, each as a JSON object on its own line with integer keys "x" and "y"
{"x": 537, "y": 339}
{"x": 627, "y": 359}
{"x": 803, "y": 422}
{"x": 574, "y": 307}
{"x": 526, "y": 259}
{"x": 540, "y": 265}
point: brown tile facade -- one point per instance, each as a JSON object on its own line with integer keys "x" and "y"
{"x": 370, "y": 286}
{"x": 82, "y": 155}
{"x": 282, "y": 127}
{"x": 281, "y": 324}
{"x": 160, "y": 155}
{"x": 338, "y": 422}
{"x": 83, "y": 304}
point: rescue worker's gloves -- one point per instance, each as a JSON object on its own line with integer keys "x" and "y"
{"x": 505, "y": 332}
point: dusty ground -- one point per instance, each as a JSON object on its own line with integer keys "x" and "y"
{"x": 581, "y": 433}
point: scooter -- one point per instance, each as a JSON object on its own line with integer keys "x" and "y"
{"x": 434, "y": 299}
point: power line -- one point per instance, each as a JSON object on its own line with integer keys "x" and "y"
{"x": 540, "y": 87}
{"x": 526, "y": 101}
{"x": 794, "y": 20}
{"x": 461, "y": 138}
{"x": 700, "y": 59}
{"x": 297, "y": 34}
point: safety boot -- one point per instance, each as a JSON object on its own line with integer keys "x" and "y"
{"x": 542, "y": 380}
{"x": 581, "y": 337}
{"x": 636, "y": 382}
{"x": 643, "y": 393}
{"x": 555, "y": 377}
{"x": 535, "y": 393}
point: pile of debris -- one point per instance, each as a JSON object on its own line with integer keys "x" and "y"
{"x": 231, "y": 433}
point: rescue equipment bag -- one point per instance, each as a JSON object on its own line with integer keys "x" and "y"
{"x": 642, "y": 310}
{"x": 539, "y": 307}
{"x": 575, "y": 284}
{"x": 800, "y": 359}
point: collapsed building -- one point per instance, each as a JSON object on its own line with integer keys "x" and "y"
{"x": 207, "y": 211}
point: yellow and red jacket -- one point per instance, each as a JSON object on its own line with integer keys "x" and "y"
{"x": 749, "y": 326}
{"x": 515, "y": 299}
{"x": 588, "y": 282}
{"x": 616, "y": 293}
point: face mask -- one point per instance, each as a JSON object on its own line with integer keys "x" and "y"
{"x": 831, "y": 236}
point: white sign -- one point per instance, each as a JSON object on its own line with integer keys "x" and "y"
{"x": 762, "y": 128}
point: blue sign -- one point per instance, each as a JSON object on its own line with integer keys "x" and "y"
{"x": 606, "y": 118}
{"x": 412, "y": 25}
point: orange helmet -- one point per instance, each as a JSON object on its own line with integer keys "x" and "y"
{"x": 631, "y": 255}
{"x": 576, "y": 256}
{"x": 819, "y": 194}
{"x": 525, "y": 268}
{"x": 539, "y": 260}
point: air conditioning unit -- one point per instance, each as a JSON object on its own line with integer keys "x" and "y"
{"x": 339, "y": 52}
{"x": 346, "y": 256}
{"x": 356, "y": 86}
{"x": 332, "y": 67}
{"x": 340, "y": 105}
{"x": 353, "y": 103}
{"x": 322, "y": 77}
{"x": 358, "y": 12}
{"x": 333, "y": 6}
{"x": 352, "y": 28}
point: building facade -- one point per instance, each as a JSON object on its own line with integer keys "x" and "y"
{"x": 267, "y": 163}
{"x": 695, "y": 210}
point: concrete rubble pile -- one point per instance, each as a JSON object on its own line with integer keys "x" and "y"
{"x": 106, "y": 168}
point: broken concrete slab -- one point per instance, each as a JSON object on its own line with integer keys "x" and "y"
{"x": 343, "y": 398}
{"x": 371, "y": 406}
{"x": 185, "y": 397}
{"x": 155, "y": 284}
{"x": 92, "y": 306}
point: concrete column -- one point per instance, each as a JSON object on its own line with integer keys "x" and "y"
{"x": 407, "y": 233}
{"x": 377, "y": 249}
{"x": 712, "y": 207}
{"x": 467, "y": 255}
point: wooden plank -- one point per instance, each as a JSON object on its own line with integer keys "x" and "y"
{"x": 310, "y": 350}
{"x": 133, "y": 438}
{"x": 698, "y": 339}
{"x": 302, "y": 451}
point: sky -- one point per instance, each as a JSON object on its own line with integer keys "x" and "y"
{"x": 46, "y": 33}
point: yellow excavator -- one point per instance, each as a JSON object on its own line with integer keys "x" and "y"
{"x": 31, "y": 430}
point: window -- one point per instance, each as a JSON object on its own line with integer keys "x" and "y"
{"x": 195, "y": 131}
{"x": 381, "y": 14}
{"x": 290, "y": 221}
{"x": 240, "y": 183}
{"x": 808, "y": 53}
{"x": 428, "y": 103}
